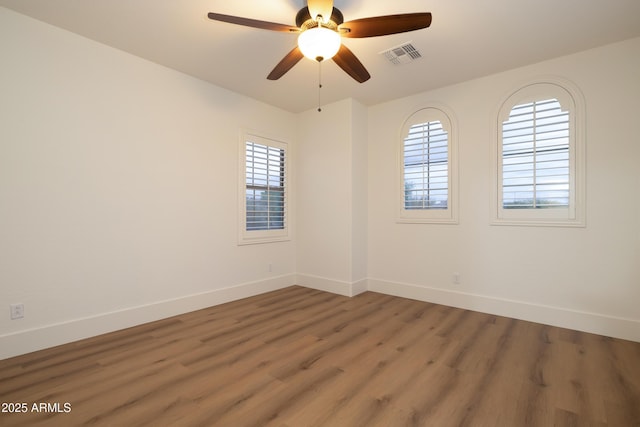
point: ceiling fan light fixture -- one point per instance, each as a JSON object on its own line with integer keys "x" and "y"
{"x": 319, "y": 43}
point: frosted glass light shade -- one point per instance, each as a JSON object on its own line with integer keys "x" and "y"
{"x": 319, "y": 43}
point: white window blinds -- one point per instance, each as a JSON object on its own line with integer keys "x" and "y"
{"x": 265, "y": 187}
{"x": 535, "y": 156}
{"x": 426, "y": 173}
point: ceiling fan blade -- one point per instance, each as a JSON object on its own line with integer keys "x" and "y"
{"x": 351, "y": 65}
{"x": 320, "y": 7}
{"x": 287, "y": 63}
{"x": 384, "y": 25}
{"x": 255, "y": 23}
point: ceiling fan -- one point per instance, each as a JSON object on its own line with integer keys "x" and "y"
{"x": 320, "y": 27}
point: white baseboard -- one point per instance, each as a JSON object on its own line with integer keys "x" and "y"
{"x": 331, "y": 285}
{"x": 595, "y": 323}
{"x": 23, "y": 342}
{"x": 359, "y": 287}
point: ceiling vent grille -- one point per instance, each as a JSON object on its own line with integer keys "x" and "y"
{"x": 402, "y": 54}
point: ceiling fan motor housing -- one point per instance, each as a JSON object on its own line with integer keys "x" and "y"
{"x": 304, "y": 20}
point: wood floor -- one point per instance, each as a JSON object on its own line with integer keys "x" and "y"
{"x": 301, "y": 357}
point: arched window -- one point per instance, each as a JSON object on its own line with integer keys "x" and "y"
{"x": 540, "y": 157}
{"x": 428, "y": 170}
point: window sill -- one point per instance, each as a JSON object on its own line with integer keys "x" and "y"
{"x": 403, "y": 220}
{"x": 260, "y": 240}
{"x": 539, "y": 223}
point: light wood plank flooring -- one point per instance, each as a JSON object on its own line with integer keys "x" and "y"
{"x": 301, "y": 357}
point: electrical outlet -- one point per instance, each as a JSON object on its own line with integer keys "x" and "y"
{"x": 456, "y": 278}
{"x": 17, "y": 311}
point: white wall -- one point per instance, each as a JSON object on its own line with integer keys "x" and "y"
{"x": 115, "y": 203}
{"x": 332, "y": 198}
{"x": 359, "y": 193}
{"x": 584, "y": 278}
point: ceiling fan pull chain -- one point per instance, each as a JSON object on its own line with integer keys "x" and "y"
{"x": 319, "y": 85}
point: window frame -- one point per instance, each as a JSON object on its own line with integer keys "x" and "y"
{"x": 571, "y": 101}
{"x": 448, "y": 215}
{"x": 248, "y": 237}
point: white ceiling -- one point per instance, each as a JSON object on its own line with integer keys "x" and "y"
{"x": 467, "y": 39}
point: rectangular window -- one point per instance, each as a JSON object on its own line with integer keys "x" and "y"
{"x": 426, "y": 174}
{"x": 263, "y": 190}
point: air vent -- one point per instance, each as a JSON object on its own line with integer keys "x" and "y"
{"x": 402, "y": 54}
